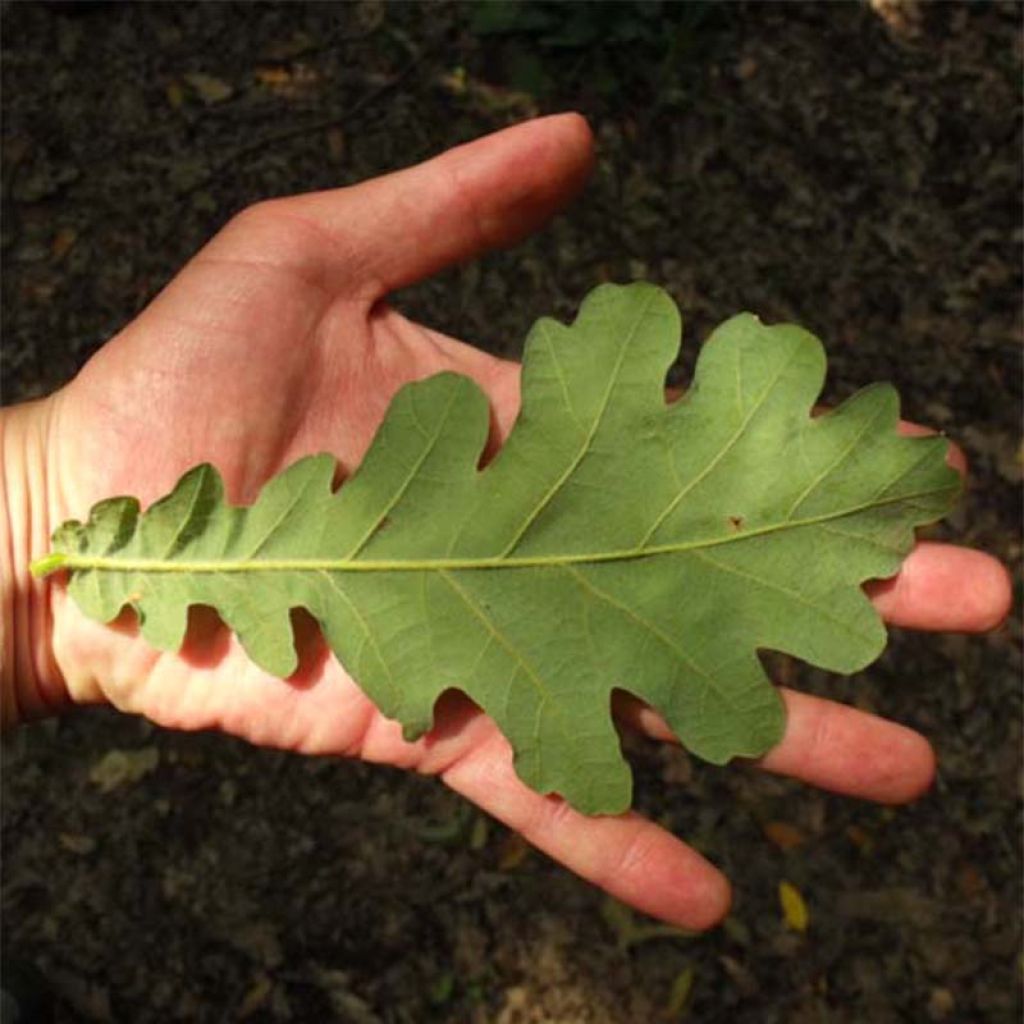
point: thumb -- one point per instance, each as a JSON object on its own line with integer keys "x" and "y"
{"x": 391, "y": 231}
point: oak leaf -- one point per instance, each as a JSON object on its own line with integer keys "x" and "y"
{"x": 616, "y": 541}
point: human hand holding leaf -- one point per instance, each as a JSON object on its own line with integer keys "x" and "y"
{"x": 273, "y": 344}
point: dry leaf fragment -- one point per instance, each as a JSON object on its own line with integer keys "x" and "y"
{"x": 273, "y": 78}
{"x": 514, "y": 850}
{"x": 941, "y": 1003}
{"x": 784, "y": 835}
{"x": 478, "y": 833}
{"x": 288, "y": 82}
{"x": 76, "y": 843}
{"x": 679, "y": 995}
{"x": 256, "y": 997}
{"x": 120, "y": 767}
{"x": 62, "y": 243}
{"x": 794, "y": 909}
{"x": 860, "y": 838}
{"x": 209, "y": 89}
{"x": 175, "y": 94}
{"x": 747, "y": 68}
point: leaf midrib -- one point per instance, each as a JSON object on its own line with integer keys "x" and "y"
{"x": 204, "y": 566}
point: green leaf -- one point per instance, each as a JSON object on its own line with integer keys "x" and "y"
{"x": 616, "y": 541}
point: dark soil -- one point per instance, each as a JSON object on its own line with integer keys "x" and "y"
{"x": 855, "y": 168}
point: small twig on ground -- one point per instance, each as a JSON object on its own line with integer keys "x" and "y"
{"x": 331, "y": 121}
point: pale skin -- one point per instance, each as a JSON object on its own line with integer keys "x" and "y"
{"x": 277, "y": 341}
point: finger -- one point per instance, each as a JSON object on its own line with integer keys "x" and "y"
{"x": 628, "y": 856}
{"x": 845, "y": 750}
{"x": 944, "y": 587}
{"x": 397, "y": 229}
{"x": 829, "y": 745}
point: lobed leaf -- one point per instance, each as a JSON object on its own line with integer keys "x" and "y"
{"x": 616, "y": 541}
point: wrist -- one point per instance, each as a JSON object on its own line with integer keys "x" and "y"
{"x": 31, "y": 685}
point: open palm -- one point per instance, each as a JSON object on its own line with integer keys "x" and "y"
{"x": 275, "y": 342}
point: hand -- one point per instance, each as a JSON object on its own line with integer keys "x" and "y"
{"x": 275, "y": 341}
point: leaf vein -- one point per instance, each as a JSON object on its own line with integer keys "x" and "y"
{"x": 650, "y": 628}
{"x": 836, "y": 463}
{"x": 410, "y": 476}
{"x": 784, "y": 591}
{"x": 726, "y": 448}
{"x": 585, "y": 446}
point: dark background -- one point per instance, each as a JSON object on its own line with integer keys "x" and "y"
{"x": 855, "y": 168}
